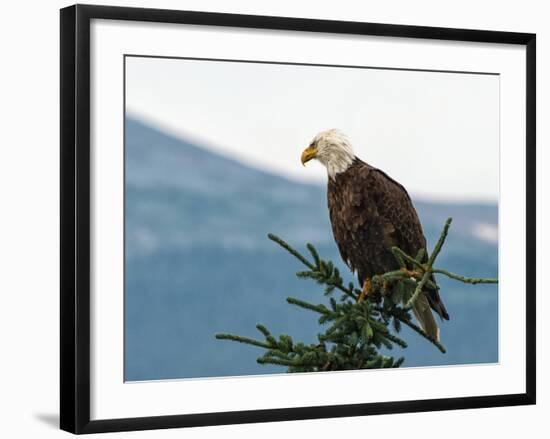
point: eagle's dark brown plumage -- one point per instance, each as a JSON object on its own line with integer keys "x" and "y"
{"x": 370, "y": 213}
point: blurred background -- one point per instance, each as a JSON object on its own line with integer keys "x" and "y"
{"x": 212, "y": 165}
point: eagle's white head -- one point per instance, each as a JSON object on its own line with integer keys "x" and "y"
{"x": 333, "y": 149}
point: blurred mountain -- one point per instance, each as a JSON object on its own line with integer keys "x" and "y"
{"x": 198, "y": 262}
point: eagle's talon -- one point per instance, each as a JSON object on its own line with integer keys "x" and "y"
{"x": 367, "y": 288}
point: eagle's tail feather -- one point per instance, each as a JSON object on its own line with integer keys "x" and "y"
{"x": 425, "y": 317}
{"x": 439, "y": 308}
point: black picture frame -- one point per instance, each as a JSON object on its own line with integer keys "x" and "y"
{"x": 75, "y": 217}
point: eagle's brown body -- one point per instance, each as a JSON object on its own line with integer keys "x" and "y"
{"x": 370, "y": 213}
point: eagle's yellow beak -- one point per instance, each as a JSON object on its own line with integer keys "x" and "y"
{"x": 309, "y": 153}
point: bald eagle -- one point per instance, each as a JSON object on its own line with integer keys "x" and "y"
{"x": 370, "y": 213}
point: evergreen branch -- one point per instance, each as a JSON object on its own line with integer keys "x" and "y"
{"x": 395, "y": 274}
{"x": 407, "y": 321}
{"x": 422, "y": 333}
{"x": 440, "y": 242}
{"x": 277, "y": 353}
{"x": 322, "y": 271}
{"x": 429, "y": 265}
{"x": 291, "y": 250}
{"x": 405, "y": 275}
{"x": 347, "y": 291}
{"x": 356, "y": 330}
{"x": 321, "y": 309}
{"x": 314, "y": 253}
{"x": 467, "y": 280}
{"x": 401, "y": 255}
{"x": 418, "y": 289}
{"x": 399, "y": 362}
{"x": 276, "y": 361}
{"x": 396, "y": 340}
{"x": 263, "y": 330}
{"x": 420, "y": 255}
{"x": 241, "y": 339}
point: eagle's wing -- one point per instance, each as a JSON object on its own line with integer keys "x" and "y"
{"x": 370, "y": 213}
{"x": 395, "y": 206}
{"x": 368, "y": 218}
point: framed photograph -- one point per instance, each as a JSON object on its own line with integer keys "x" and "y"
{"x": 274, "y": 218}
